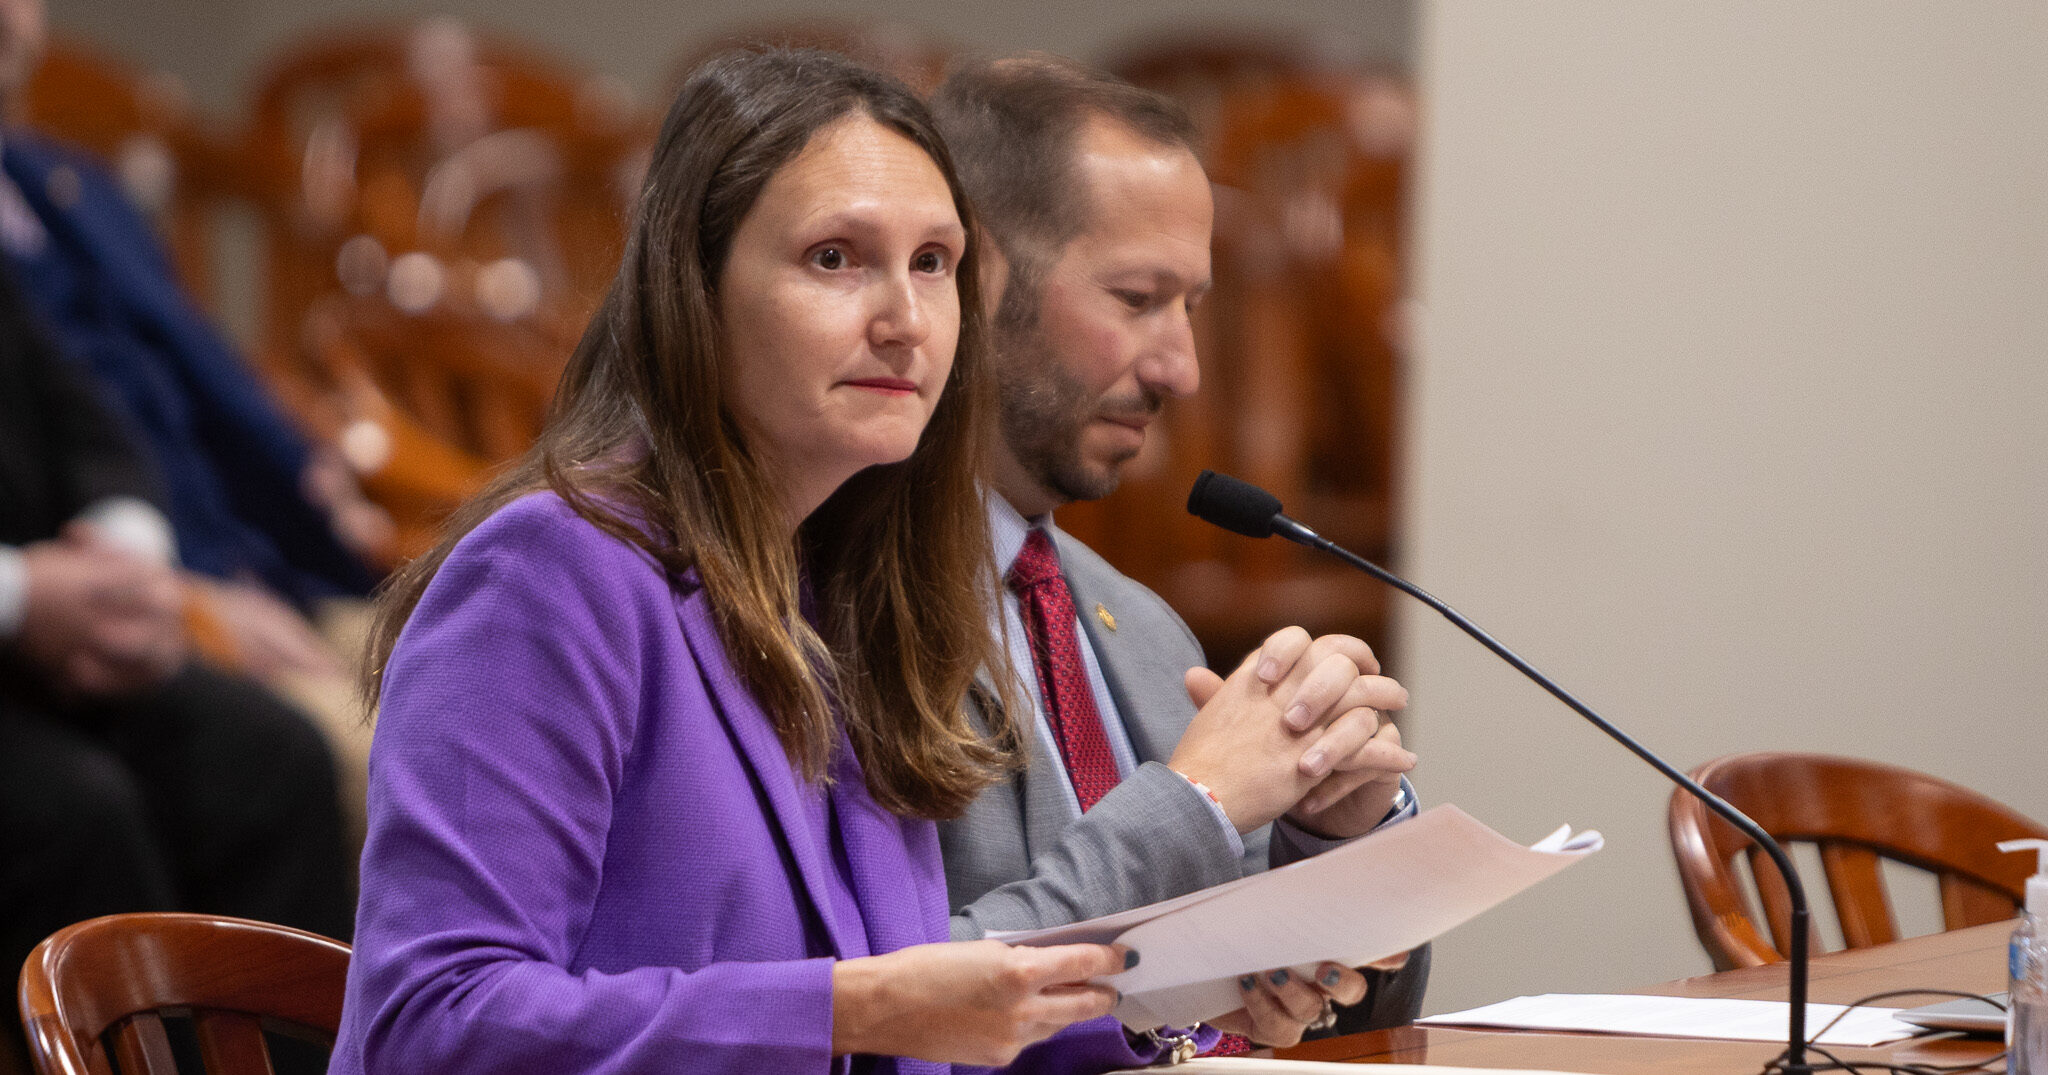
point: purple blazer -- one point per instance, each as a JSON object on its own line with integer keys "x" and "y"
{"x": 588, "y": 851}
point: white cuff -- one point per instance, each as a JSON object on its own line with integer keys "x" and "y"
{"x": 1309, "y": 844}
{"x": 13, "y": 591}
{"x": 135, "y": 526}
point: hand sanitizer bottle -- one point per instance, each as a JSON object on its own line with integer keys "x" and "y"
{"x": 2026, "y": 1014}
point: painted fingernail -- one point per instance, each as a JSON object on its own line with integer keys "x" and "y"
{"x": 1296, "y": 716}
{"x": 1315, "y": 761}
{"x": 1278, "y": 977}
{"x": 1331, "y": 976}
{"x": 1130, "y": 959}
{"x": 1269, "y": 670}
{"x": 1245, "y": 983}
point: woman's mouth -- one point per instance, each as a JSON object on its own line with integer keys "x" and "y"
{"x": 895, "y": 386}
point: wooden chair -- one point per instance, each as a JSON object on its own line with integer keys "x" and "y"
{"x": 1857, "y": 813}
{"x": 104, "y": 986}
{"x": 424, "y": 405}
{"x": 355, "y": 132}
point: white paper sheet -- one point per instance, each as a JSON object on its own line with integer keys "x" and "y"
{"x": 1374, "y": 897}
{"x": 1680, "y": 1017}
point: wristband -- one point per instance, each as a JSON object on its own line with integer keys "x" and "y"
{"x": 1201, "y": 787}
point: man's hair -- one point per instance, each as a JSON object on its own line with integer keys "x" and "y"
{"x": 1014, "y": 124}
{"x": 640, "y": 441}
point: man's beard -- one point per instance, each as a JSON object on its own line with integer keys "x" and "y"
{"x": 1045, "y": 412}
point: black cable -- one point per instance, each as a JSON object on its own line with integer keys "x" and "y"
{"x": 1857, "y": 1067}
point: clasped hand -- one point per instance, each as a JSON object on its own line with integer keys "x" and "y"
{"x": 1297, "y": 729}
{"x": 99, "y": 620}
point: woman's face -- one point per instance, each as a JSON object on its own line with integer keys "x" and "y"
{"x": 839, "y": 308}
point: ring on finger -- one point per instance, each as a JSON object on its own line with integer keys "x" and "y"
{"x": 1327, "y": 1019}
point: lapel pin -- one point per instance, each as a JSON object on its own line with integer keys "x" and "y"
{"x": 1108, "y": 620}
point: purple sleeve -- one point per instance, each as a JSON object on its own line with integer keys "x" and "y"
{"x": 508, "y": 714}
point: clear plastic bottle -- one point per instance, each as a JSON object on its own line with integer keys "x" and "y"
{"x": 2026, "y": 1016}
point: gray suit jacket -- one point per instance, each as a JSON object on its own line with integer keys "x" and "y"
{"x": 1019, "y": 859}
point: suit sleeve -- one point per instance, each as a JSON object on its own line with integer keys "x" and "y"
{"x": 508, "y": 720}
{"x": 1152, "y": 838}
{"x": 61, "y": 436}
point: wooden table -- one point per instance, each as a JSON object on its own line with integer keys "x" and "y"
{"x": 1967, "y": 959}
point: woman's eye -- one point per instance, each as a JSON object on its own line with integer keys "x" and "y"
{"x": 1136, "y": 300}
{"x": 930, "y": 261}
{"x": 829, "y": 258}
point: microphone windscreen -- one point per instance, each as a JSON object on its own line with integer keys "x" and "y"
{"x": 1237, "y": 506}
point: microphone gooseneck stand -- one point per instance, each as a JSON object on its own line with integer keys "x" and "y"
{"x": 1244, "y": 508}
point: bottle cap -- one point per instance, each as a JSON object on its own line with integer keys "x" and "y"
{"x": 2037, "y": 885}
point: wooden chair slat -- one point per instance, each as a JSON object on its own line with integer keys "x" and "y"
{"x": 1965, "y": 902}
{"x": 1858, "y": 888}
{"x": 232, "y": 1041}
{"x": 143, "y": 1048}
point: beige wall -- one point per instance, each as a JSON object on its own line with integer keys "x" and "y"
{"x": 1729, "y": 415}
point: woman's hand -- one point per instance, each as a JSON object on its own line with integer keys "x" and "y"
{"x": 1279, "y": 1005}
{"x": 968, "y": 1002}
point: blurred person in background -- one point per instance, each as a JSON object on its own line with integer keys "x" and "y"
{"x": 1151, "y": 776}
{"x": 253, "y": 504}
{"x": 266, "y": 524}
{"x": 132, "y": 778}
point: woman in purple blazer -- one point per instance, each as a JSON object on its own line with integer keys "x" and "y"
{"x": 667, "y": 717}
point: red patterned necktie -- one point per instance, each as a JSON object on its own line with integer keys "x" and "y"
{"x": 1049, "y": 622}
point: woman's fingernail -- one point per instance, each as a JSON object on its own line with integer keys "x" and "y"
{"x": 1315, "y": 761}
{"x": 1296, "y": 716}
{"x": 1245, "y": 983}
{"x": 1130, "y": 959}
{"x": 1269, "y": 670}
{"x": 1278, "y": 977}
{"x": 1332, "y": 975}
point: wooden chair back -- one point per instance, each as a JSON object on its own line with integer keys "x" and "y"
{"x": 432, "y": 137}
{"x": 102, "y": 987}
{"x": 425, "y": 405}
{"x": 1856, "y": 813}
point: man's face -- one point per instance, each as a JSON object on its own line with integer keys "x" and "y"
{"x": 1111, "y": 338}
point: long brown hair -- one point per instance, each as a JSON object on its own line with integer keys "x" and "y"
{"x": 897, "y": 562}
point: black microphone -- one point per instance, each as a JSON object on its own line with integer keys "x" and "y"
{"x": 1243, "y": 508}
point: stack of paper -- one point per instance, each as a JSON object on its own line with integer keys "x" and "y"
{"x": 1681, "y": 1017}
{"x": 1375, "y": 897}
